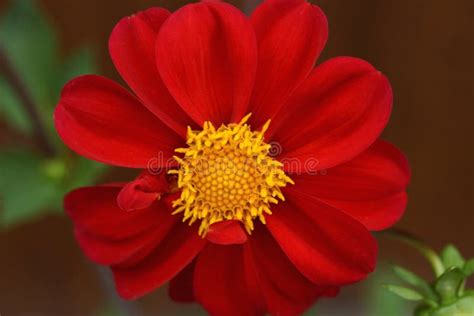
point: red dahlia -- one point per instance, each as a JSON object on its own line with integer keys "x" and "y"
{"x": 244, "y": 213}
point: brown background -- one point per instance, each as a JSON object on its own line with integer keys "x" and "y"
{"x": 426, "y": 49}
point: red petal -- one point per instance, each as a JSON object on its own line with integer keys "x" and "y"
{"x": 132, "y": 48}
{"x": 109, "y": 252}
{"x": 95, "y": 210}
{"x": 132, "y": 198}
{"x": 226, "y": 233}
{"x": 252, "y": 281}
{"x": 109, "y": 235}
{"x": 206, "y": 54}
{"x": 181, "y": 286}
{"x": 143, "y": 191}
{"x": 174, "y": 253}
{"x": 374, "y": 214}
{"x": 326, "y": 245}
{"x": 290, "y": 36}
{"x": 100, "y": 120}
{"x": 339, "y": 111}
{"x": 286, "y": 290}
{"x": 370, "y": 187}
{"x": 219, "y": 282}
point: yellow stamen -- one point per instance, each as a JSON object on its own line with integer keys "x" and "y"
{"x": 227, "y": 174}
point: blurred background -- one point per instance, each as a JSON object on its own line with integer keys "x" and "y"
{"x": 425, "y": 47}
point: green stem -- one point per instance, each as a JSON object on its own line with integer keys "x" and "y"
{"x": 427, "y": 252}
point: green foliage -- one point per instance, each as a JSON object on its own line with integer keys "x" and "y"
{"x": 449, "y": 285}
{"x": 404, "y": 292}
{"x": 31, "y": 46}
{"x": 79, "y": 63}
{"x": 382, "y": 302}
{"x": 25, "y": 188}
{"x": 451, "y": 257}
{"x": 462, "y": 307}
{"x": 416, "y": 281}
{"x": 468, "y": 268}
{"x": 447, "y": 295}
{"x": 11, "y": 109}
{"x": 32, "y": 185}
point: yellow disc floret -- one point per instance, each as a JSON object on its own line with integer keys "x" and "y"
{"x": 227, "y": 174}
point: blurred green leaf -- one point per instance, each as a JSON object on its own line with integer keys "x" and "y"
{"x": 452, "y": 257}
{"x": 11, "y": 109}
{"x": 462, "y": 307}
{"x": 31, "y": 186}
{"x": 80, "y": 63}
{"x": 55, "y": 169}
{"x": 31, "y": 45}
{"x": 447, "y": 286}
{"x": 85, "y": 172}
{"x": 380, "y": 301}
{"x": 415, "y": 280}
{"x": 404, "y": 292}
{"x": 24, "y": 188}
{"x": 468, "y": 268}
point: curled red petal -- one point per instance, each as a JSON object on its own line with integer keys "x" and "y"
{"x": 144, "y": 190}
{"x": 226, "y": 233}
{"x": 95, "y": 210}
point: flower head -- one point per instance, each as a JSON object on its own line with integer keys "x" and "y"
{"x": 258, "y": 169}
{"x": 227, "y": 174}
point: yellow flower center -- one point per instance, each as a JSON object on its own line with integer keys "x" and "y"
{"x": 227, "y": 174}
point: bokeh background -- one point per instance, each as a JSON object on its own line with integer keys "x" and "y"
{"x": 425, "y": 47}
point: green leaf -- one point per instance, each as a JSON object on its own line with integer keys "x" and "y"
{"x": 11, "y": 109}
{"x": 25, "y": 190}
{"x": 404, "y": 292}
{"x": 447, "y": 286}
{"x": 468, "y": 268}
{"x": 84, "y": 172}
{"x": 462, "y": 307}
{"x": 55, "y": 169}
{"x": 424, "y": 310}
{"x": 31, "y": 45}
{"x": 80, "y": 63}
{"x": 415, "y": 280}
{"x": 452, "y": 257}
{"x": 381, "y": 302}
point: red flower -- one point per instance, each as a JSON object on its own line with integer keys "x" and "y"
{"x": 279, "y": 213}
